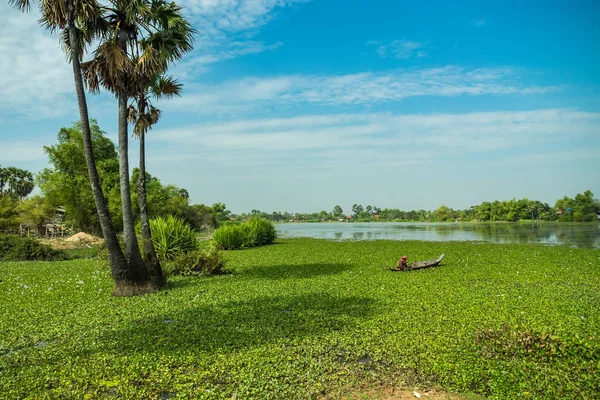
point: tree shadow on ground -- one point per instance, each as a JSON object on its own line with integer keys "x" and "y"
{"x": 290, "y": 271}
{"x": 237, "y": 324}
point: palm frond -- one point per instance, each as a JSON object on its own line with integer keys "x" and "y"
{"x": 55, "y": 14}
{"x": 132, "y": 114}
{"x": 21, "y": 5}
{"x": 163, "y": 86}
{"x": 90, "y": 75}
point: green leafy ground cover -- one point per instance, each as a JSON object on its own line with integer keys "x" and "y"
{"x": 310, "y": 318}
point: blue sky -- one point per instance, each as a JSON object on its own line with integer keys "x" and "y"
{"x": 299, "y": 105}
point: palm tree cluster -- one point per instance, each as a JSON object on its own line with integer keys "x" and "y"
{"x": 136, "y": 41}
{"x": 15, "y": 182}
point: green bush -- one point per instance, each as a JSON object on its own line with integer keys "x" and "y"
{"x": 252, "y": 233}
{"x": 262, "y": 231}
{"x": 206, "y": 262}
{"x": 19, "y": 248}
{"x": 172, "y": 236}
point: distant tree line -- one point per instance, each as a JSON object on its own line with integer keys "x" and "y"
{"x": 582, "y": 208}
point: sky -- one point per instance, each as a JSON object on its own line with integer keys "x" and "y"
{"x": 299, "y": 105}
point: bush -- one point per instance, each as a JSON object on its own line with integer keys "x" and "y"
{"x": 255, "y": 232}
{"x": 172, "y": 236}
{"x": 262, "y": 231}
{"x": 19, "y": 248}
{"x": 229, "y": 237}
{"x": 207, "y": 262}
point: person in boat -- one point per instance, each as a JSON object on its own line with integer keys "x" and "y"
{"x": 402, "y": 263}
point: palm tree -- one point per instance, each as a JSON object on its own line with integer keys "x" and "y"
{"x": 145, "y": 37}
{"x": 144, "y": 116}
{"x": 80, "y": 24}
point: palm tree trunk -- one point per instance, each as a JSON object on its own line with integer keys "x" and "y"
{"x": 152, "y": 263}
{"x": 118, "y": 264}
{"x": 132, "y": 249}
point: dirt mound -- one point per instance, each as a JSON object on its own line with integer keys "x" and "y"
{"x": 83, "y": 237}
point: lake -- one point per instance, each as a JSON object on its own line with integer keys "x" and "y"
{"x": 579, "y": 235}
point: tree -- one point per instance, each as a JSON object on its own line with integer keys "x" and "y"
{"x": 67, "y": 182}
{"x": 222, "y": 214}
{"x": 443, "y": 213}
{"x": 144, "y": 116}
{"x": 142, "y": 38}
{"x": 8, "y": 213}
{"x": 357, "y": 209}
{"x": 75, "y": 21}
{"x": 337, "y": 211}
{"x": 36, "y": 211}
{"x": 15, "y": 182}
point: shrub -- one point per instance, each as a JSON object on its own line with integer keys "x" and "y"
{"x": 262, "y": 231}
{"x": 19, "y": 248}
{"x": 172, "y": 236}
{"x": 255, "y": 232}
{"x": 206, "y": 262}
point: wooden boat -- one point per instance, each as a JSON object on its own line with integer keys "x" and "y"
{"x": 421, "y": 264}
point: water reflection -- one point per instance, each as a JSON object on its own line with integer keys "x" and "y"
{"x": 585, "y": 235}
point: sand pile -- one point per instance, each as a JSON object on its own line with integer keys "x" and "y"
{"x": 83, "y": 237}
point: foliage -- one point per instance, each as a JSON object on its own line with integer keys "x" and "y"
{"x": 310, "y": 319}
{"x": 67, "y": 182}
{"x": 8, "y": 213}
{"x": 164, "y": 200}
{"x": 19, "y": 248}
{"x": 261, "y": 231}
{"x": 252, "y": 233}
{"x": 36, "y": 211}
{"x": 15, "y": 182}
{"x": 222, "y": 214}
{"x": 582, "y": 208}
{"x": 337, "y": 211}
{"x": 231, "y": 236}
{"x": 443, "y": 213}
{"x": 209, "y": 261}
{"x": 172, "y": 236}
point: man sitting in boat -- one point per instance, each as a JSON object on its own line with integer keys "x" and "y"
{"x": 402, "y": 263}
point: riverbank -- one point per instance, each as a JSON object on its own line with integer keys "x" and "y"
{"x": 311, "y": 319}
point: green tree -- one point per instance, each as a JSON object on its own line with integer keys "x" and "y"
{"x": 357, "y": 209}
{"x": 8, "y": 213}
{"x": 142, "y": 38}
{"x": 67, "y": 183}
{"x": 443, "y": 213}
{"x": 74, "y": 20}
{"x": 222, "y": 214}
{"x": 144, "y": 116}
{"x": 15, "y": 182}
{"x": 337, "y": 211}
{"x": 36, "y": 211}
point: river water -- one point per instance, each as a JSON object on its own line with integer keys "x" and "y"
{"x": 579, "y": 235}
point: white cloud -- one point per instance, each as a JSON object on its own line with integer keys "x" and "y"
{"x": 35, "y": 79}
{"x": 226, "y": 29}
{"x": 400, "y": 49}
{"x": 307, "y": 162}
{"x": 239, "y": 96}
{"x": 377, "y": 138}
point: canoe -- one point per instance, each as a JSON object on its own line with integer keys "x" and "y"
{"x": 421, "y": 264}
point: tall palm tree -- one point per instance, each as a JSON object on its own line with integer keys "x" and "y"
{"x": 145, "y": 37}
{"x": 75, "y": 19}
{"x": 143, "y": 115}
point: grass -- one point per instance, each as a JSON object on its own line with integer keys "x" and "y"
{"x": 308, "y": 318}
